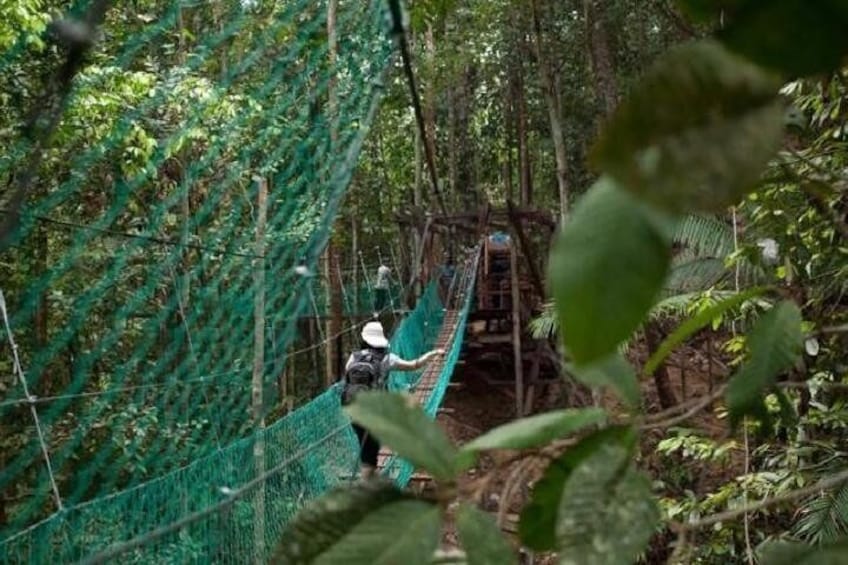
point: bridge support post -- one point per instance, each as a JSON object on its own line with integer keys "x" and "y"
{"x": 516, "y": 332}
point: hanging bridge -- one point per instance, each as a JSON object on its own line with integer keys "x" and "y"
{"x": 205, "y": 511}
{"x": 150, "y": 295}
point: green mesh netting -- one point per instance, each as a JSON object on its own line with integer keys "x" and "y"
{"x": 144, "y": 299}
{"x": 205, "y": 511}
{"x": 135, "y": 277}
{"x": 418, "y": 327}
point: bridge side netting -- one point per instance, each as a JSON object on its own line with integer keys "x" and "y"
{"x": 131, "y": 277}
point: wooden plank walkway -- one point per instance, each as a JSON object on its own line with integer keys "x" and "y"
{"x": 430, "y": 376}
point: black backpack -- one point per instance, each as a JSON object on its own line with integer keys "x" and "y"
{"x": 365, "y": 373}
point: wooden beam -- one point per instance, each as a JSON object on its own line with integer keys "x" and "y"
{"x": 516, "y": 333}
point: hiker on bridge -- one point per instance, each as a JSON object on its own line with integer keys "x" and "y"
{"x": 368, "y": 369}
{"x": 381, "y": 289}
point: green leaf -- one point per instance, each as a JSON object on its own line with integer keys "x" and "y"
{"x": 607, "y": 513}
{"x": 786, "y": 553}
{"x": 696, "y": 132}
{"x": 538, "y": 430}
{"x": 606, "y": 270}
{"x": 404, "y": 532}
{"x": 408, "y": 431}
{"x": 794, "y": 36}
{"x": 323, "y": 522}
{"x": 615, "y": 372}
{"x": 694, "y": 324}
{"x": 483, "y": 541}
{"x": 775, "y": 342}
{"x": 537, "y": 526}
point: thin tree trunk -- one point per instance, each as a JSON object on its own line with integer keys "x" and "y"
{"x": 518, "y": 362}
{"x": 430, "y": 103}
{"x": 525, "y": 167}
{"x": 662, "y": 380}
{"x": 417, "y": 201}
{"x": 331, "y": 270}
{"x": 600, "y": 58}
{"x": 508, "y": 121}
{"x": 354, "y": 253}
{"x": 334, "y": 316}
{"x": 465, "y": 181}
{"x": 453, "y": 150}
{"x": 259, "y": 371}
{"x": 551, "y": 95}
{"x": 219, "y": 9}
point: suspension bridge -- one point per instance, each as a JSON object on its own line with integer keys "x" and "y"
{"x": 205, "y": 511}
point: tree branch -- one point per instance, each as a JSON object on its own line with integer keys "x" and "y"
{"x": 834, "y": 481}
{"x": 667, "y": 418}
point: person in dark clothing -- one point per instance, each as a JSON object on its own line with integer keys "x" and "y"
{"x": 368, "y": 369}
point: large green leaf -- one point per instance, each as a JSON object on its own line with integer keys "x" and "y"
{"x": 482, "y": 539}
{"x": 797, "y": 37}
{"x": 538, "y": 430}
{"x": 323, "y": 522}
{"x": 405, "y": 532}
{"x": 615, "y": 372}
{"x": 606, "y": 270}
{"x": 537, "y": 526}
{"x": 786, "y": 553}
{"x": 607, "y": 514}
{"x": 694, "y": 324}
{"x": 696, "y": 132}
{"x": 407, "y": 430}
{"x": 775, "y": 342}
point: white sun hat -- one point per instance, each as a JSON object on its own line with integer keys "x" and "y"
{"x": 373, "y": 335}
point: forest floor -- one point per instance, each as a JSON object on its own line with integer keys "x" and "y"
{"x": 473, "y": 406}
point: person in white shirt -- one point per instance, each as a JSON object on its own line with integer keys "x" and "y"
{"x": 368, "y": 369}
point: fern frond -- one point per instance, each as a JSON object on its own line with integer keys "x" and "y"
{"x": 824, "y": 519}
{"x": 695, "y": 274}
{"x": 546, "y": 324}
{"x": 705, "y": 236}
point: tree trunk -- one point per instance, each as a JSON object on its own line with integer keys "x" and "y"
{"x": 41, "y": 309}
{"x": 331, "y": 266}
{"x": 508, "y": 121}
{"x": 525, "y": 167}
{"x": 600, "y": 58}
{"x": 464, "y": 146}
{"x": 354, "y": 253}
{"x": 429, "y": 109}
{"x": 258, "y": 383}
{"x": 662, "y": 380}
{"x": 551, "y": 94}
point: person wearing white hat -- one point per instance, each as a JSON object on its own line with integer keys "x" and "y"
{"x": 368, "y": 369}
